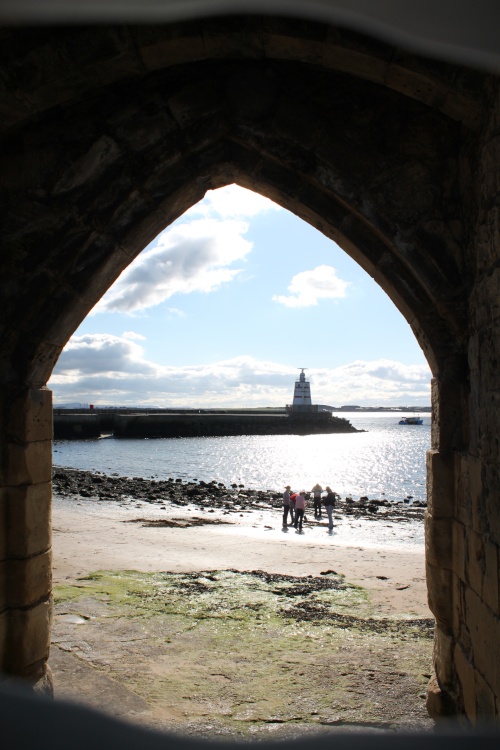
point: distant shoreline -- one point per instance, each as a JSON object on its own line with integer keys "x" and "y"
{"x": 77, "y": 408}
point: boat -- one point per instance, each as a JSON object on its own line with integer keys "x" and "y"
{"x": 411, "y": 420}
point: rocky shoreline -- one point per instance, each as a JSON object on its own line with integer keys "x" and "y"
{"x": 212, "y": 495}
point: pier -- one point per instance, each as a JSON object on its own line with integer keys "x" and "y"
{"x": 132, "y": 423}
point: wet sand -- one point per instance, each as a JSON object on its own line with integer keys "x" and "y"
{"x": 90, "y": 535}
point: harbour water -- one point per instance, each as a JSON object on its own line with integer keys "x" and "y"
{"x": 386, "y": 461}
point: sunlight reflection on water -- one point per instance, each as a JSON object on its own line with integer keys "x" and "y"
{"x": 386, "y": 461}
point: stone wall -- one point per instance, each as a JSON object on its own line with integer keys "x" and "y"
{"x": 476, "y": 528}
{"x": 109, "y": 134}
{"x": 25, "y": 545}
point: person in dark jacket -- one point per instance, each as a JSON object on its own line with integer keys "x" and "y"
{"x": 287, "y": 507}
{"x": 329, "y": 503}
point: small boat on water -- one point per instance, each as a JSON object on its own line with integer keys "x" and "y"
{"x": 411, "y": 420}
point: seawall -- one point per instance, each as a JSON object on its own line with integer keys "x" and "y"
{"x": 190, "y": 424}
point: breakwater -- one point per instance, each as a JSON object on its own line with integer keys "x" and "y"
{"x": 206, "y": 423}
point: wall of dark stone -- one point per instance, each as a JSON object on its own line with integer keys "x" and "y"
{"x": 109, "y": 133}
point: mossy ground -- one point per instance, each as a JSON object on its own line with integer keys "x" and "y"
{"x": 236, "y": 654}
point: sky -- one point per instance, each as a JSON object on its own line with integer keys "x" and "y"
{"x": 226, "y": 305}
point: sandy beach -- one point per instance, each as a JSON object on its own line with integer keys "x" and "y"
{"x": 191, "y": 626}
{"x": 101, "y": 536}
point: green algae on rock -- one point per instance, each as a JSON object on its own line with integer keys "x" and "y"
{"x": 226, "y": 653}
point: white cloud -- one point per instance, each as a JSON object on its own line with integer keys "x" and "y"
{"x": 232, "y": 201}
{"x": 133, "y": 336}
{"x": 105, "y": 369}
{"x": 307, "y": 287}
{"x": 376, "y": 383}
{"x": 190, "y": 257}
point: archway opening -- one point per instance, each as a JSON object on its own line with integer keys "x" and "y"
{"x": 334, "y": 611}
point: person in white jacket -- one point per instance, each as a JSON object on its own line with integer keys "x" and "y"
{"x": 300, "y": 506}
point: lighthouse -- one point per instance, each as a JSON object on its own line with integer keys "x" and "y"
{"x": 302, "y": 394}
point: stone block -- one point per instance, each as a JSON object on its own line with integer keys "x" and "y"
{"x": 26, "y": 581}
{"x": 30, "y": 417}
{"x": 491, "y": 580}
{"x": 458, "y": 556}
{"x": 440, "y": 484}
{"x": 475, "y": 561}
{"x": 4, "y": 531}
{"x": 487, "y": 239}
{"x": 440, "y": 596}
{"x": 490, "y": 158}
{"x": 438, "y": 541}
{"x": 463, "y": 496}
{"x": 4, "y": 624}
{"x": 492, "y": 503}
{"x": 443, "y": 658}
{"x": 29, "y": 637}
{"x": 470, "y": 503}
{"x": 467, "y": 679}
{"x": 484, "y": 629}
{"x": 28, "y": 515}
{"x": 485, "y": 699}
{"x": 30, "y": 463}
{"x": 458, "y": 603}
{"x": 439, "y": 703}
{"x": 43, "y": 682}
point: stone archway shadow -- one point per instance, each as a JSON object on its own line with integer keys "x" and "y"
{"x": 112, "y": 133}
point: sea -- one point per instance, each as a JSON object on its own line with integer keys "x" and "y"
{"x": 385, "y": 461}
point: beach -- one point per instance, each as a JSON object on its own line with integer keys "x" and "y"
{"x": 152, "y": 538}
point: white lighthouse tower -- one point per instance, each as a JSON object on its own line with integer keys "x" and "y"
{"x": 302, "y": 393}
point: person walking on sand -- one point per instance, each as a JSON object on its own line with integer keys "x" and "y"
{"x": 300, "y": 506}
{"x": 329, "y": 503}
{"x": 287, "y": 507}
{"x": 317, "y": 490}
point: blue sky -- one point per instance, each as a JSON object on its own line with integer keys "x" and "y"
{"x": 225, "y": 306}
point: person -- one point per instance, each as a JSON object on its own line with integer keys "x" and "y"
{"x": 329, "y": 503}
{"x": 287, "y": 507}
{"x": 317, "y": 490}
{"x": 300, "y": 506}
{"x": 293, "y": 498}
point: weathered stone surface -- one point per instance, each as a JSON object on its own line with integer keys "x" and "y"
{"x": 30, "y": 417}
{"x": 440, "y": 484}
{"x": 458, "y": 561}
{"x": 4, "y": 639}
{"x": 466, "y": 676}
{"x": 110, "y": 133}
{"x": 28, "y": 463}
{"x": 443, "y": 661}
{"x": 484, "y": 627}
{"x": 486, "y": 705}
{"x": 26, "y": 581}
{"x": 440, "y": 588}
{"x": 438, "y": 541}
{"x": 27, "y": 510}
{"x": 439, "y": 703}
{"x": 28, "y": 638}
{"x": 471, "y": 508}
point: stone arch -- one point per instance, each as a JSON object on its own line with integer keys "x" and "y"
{"x": 111, "y": 134}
